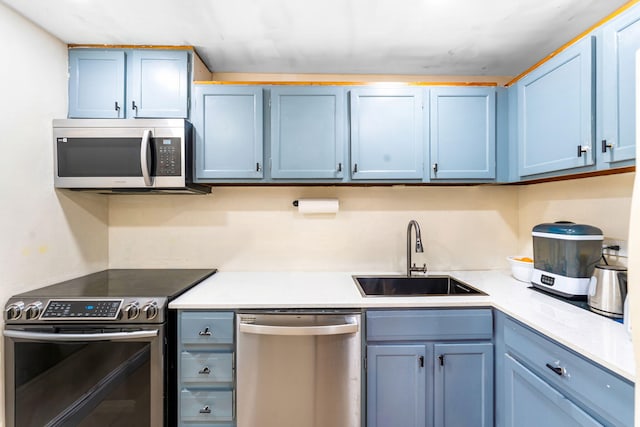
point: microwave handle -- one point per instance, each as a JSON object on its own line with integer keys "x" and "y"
{"x": 144, "y": 156}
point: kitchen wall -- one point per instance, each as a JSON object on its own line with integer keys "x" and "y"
{"x": 601, "y": 201}
{"x": 257, "y": 229}
{"x": 46, "y": 236}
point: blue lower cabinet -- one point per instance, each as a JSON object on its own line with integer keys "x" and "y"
{"x": 396, "y": 385}
{"x": 206, "y": 406}
{"x": 417, "y": 380}
{"x": 206, "y": 369}
{"x": 530, "y": 401}
{"x": 463, "y": 384}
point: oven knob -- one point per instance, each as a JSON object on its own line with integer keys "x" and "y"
{"x": 32, "y": 311}
{"x": 150, "y": 310}
{"x": 131, "y": 311}
{"x": 14, "y": 311}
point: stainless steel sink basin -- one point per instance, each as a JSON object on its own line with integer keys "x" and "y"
{"x": 403, "y": 286}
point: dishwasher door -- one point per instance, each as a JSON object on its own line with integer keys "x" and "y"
{"x": 298, "y": 369}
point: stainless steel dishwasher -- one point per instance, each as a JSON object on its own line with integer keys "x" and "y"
{"x": 299, "y": 369}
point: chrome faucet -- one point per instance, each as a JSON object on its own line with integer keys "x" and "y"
{"x": 411, "y": 268}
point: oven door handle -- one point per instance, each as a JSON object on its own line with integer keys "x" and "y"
{"x": 107, "y": 336}
{"x": 347, "y": 328}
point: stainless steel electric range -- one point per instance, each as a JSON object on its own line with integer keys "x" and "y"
{"x": 95, "y": 351}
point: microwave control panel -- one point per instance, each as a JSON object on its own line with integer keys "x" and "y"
{"x": 168, "y": 161}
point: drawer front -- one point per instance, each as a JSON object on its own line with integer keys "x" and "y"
{"x": 206, "y": 368}
{"x": 200, "y": 327}
{"x": 206, "y": 405}
{"x": 600, "y": 391}
{"x": 442, "y": 325}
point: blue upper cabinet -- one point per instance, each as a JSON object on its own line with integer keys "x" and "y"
{"x": 555, "y": 113}
{"x": 159, "y": 84}
{"x": 96, "y": 84}
{"x": 463, "y": 133}
{"x": 228, "y": 132}
{"x": 307, "y": 132}
{"x": 387, "y": 133}
{"x": 117, "y": 83}
{"x": 617, "y": 104}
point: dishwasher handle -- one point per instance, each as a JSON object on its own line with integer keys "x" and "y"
{"x": 340, "y": 329}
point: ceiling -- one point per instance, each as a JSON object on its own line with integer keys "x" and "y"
{"x": 423, "y": 37}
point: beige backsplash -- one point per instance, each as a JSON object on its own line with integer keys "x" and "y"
{"x": 258, "y": 229}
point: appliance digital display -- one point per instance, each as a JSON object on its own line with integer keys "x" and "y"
{"x": 82, "y": 309}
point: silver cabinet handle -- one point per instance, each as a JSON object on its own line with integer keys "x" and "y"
{"x": 145, "y": 151}
{"x": 107, "y": 336}
{"x": 347, "y": 328}
{"x": 205, "y": 333}
{"x": 205, "y": 410}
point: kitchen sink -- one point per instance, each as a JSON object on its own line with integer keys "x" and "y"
{"x": 421, "y": 286}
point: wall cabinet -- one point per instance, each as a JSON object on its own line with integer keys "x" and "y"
{"x": 307, "y": 132}
{"x": 463, "y": 133}
{"x": 429, "y": 368}
{"x": 228, "y": 126}
{"x": 387, "y": 136}
{"x": 620, "y": 39}
{"x": 206, "y": 369}
{"x": 555, "y": 112}
{"x": 542, "y": 383}
{"x": 113, "y": 83}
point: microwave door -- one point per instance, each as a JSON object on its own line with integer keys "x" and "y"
{"x": 115, "y": 158}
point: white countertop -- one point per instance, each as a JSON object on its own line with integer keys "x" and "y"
{"x": 598, "y": 338}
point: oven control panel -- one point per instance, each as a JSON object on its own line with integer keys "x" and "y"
{"x": 82, "y": 309}
{"x": 76, "y": 310}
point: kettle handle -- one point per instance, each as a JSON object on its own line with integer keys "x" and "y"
{"x": 592, "y": 286}
{"x": 622, "y": 283}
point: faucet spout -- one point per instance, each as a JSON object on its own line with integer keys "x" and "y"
{"x": 418, "y": 247}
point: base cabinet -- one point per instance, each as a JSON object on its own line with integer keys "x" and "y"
{"x": 429, "y": 368}
{"x": 206, "y": 369}
{"x": 540, "y": 382}
{"x": 532, "y": 402}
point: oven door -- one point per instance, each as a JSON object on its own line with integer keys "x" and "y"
{"x": 71, "y": 376}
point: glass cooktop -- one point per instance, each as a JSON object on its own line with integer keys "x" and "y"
{"x": 125, "y": 283}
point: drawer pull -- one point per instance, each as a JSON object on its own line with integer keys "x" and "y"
{"x": 205, "y": 371}
{"x": 557, "y": 369}
{"x": 205, "y": 333}
{"x": 205, "y": 410}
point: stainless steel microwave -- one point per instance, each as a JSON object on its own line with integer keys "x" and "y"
{"x": 124, "y": 156}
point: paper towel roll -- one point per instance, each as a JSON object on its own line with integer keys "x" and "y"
{"x": 317, "y": 206}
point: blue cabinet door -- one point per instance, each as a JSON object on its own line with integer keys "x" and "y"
{"x": 463, "y": 133}
{"x": 463, "y": 384}
{"x": 228, "y": 132}
{"x": 307, "y": 132}
{"x": 387, "y": 133}
{"x": 96, "y": 84}
{"x": 620, "y": 41}
{"x": 555, "y": 113}
{"x": 396, "y": 385}
{"x": 159, "y": 84}
{"x": 531, "y": 402}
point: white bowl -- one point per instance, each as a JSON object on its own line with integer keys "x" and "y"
{"x": 520, "y": 270}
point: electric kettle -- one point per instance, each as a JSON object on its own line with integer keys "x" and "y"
{"x": 608, "y": 290}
